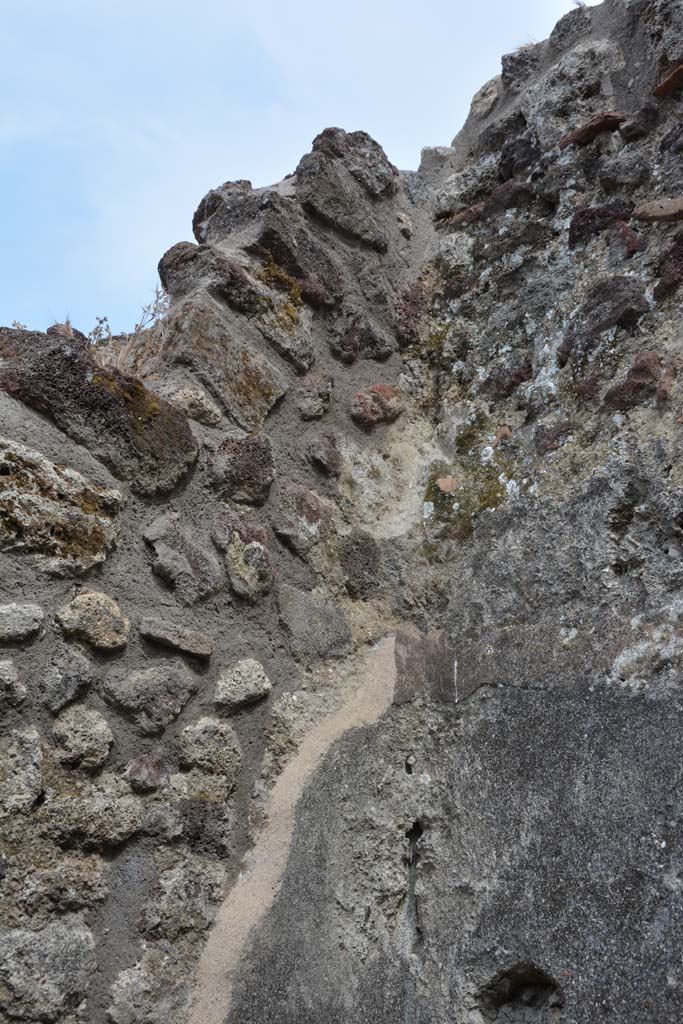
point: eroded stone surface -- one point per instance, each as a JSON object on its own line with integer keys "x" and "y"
{"x": 96, "y": 619}
{"x": 71, "y": 882}
{"x": 154, "y": 990}
{"x": 21, "y": 778}
{"x": 299, "y": 518}
{"x": 324, "y": 454}
{"x": 45, "y": 974}
{"x": 211, "y": 746}
{"x": 97, "y": 818}
{"x": 340, "y": 179}
{"x": 200, "y": 335}
{"x": 359, "y": 558}
{"x": 155, "y": 696}
{"x": 244, "y": 544}
{"x": 184, "y": 899}
{"x": 243, "y": 469}
{"x": 19, "y": 622}
{"x": 245, "y": 683}
{"x": 314, "y": 398}
{"x": 193, "y": 401}
{"x": 184, "y": 558}
{"x": 189, "y": 641}
{"x": 82, "y": 737}
{"x": 12, "y": 690}
{"x": 54, "y": 511}
{"x": 315, "y": 628}
{"x": 134, "y": 432}
{"x": 69, "y": 674}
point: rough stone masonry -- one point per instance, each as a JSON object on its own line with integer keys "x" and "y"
{"x": 341, "y": 621}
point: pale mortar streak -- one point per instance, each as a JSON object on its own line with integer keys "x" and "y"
{"x": 258, "y": 885}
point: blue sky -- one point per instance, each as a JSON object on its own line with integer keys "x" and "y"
{"x": 119, "y": 116}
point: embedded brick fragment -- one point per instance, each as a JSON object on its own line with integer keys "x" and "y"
{"x": 672, "y": 83}
{"x": 608, "y": 121}
{"x": 379, "y": 403}
{"x": 146, "y": 773}
{"x": 640, "y": 382}
{"x": 591, "y": 220}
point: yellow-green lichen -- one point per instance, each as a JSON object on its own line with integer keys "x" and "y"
{"x": 142, "y": 404}
{"x": 480, "y": 478}
{"x": 251, "y": 387}
{"x": 472, "y": 433}
{"x": 276, "y": 277}
{"x": 451, "y": 515}
{"x": 38, "y": 513}
{"x": 288, "y": 318}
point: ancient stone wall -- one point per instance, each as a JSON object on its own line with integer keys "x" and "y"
{"x": 340, "y": 617}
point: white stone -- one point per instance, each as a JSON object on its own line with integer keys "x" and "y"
{"x": 245, "y": 683}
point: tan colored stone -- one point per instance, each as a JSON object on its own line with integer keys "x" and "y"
{"x": 485, "y": 100}
{"x": 54, "y": 511}
{"x": 660, "y": 210}
{"x": 96, "y": 619}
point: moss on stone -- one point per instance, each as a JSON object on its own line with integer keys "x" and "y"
{"x": 142, "y": 404}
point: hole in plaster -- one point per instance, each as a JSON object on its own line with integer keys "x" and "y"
{"x": 522, "y": 994}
